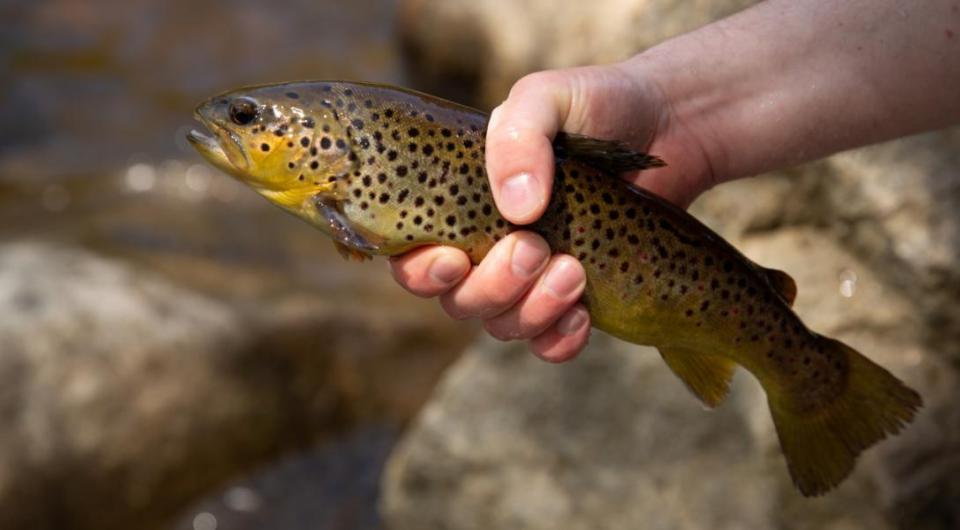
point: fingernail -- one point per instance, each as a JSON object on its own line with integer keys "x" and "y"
{"x": 520, "y": 196}
{"x": 562, "y": 280}
{"x": 527, "y": 258}
{"x": 445, "y": 270}
{"x": 572, "y": 322}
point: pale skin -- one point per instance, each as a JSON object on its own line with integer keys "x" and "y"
{"x": 784, "y": 82}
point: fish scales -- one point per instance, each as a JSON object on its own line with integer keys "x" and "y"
{"x": 385, "y": 170}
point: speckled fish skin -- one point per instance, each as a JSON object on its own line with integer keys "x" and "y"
{"x": 384, "y": 170}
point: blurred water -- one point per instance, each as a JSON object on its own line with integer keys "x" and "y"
{"x": 91, "y": 86}
{"x": 98, "y": 95}
{"x": 330, "y": 488}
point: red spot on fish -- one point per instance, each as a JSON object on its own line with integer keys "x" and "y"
{"x": 643, "y": 257}
{"x": 735, "y": 311}
{"x": 581, "y": 230}
{"x": 701, "y": 287}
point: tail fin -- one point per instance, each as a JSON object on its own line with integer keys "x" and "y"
{"x": 821, "y": 445}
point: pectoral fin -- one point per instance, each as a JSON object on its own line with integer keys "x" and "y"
{"x": 351, "y": 254}
{"x": 707, "y": 376}
{"x": 350, "y": 242}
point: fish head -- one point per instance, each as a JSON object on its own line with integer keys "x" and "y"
{"x": 280, "y": 143}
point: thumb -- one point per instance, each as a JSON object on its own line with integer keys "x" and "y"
{"x": 519, "y": 151}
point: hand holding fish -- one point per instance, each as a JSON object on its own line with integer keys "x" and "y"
{"x": 519, "y": 290}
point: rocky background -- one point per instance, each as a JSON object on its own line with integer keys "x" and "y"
{"x": 176, "y": 354}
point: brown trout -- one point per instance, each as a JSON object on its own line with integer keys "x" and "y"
{"x": 383, "y": 170}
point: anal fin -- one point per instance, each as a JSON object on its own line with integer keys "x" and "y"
{"x": 707, "y": 376}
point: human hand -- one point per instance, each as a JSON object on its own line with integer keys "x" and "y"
{"x": 519, "y": 290}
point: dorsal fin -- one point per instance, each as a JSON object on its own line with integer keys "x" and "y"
{"x": 606, "y": 155}
{"x": 707, "y": 376}
{"x": 782, "y": 283}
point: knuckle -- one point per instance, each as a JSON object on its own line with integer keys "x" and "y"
{"x": 534, "y": 82}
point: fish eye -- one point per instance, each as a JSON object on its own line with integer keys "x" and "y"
{"x": 243, "y": 111}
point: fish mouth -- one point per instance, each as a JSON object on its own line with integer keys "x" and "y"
{"x": 221, "y": 147}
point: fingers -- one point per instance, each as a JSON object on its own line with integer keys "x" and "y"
{"x": 521, "y": 291}
{"x": 430, "y": 271}
{"x": 564, "y": 340}
{"x": 507, "y": 272}
{"x": 519, "y": 152}
{"x": 556, "y": 291}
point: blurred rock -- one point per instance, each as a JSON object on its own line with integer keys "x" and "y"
{"x": 118, "y": 384}
{"x": 474, "y": 51}
{"x": 897, "y": 205}
{"x": 614, "y": 440}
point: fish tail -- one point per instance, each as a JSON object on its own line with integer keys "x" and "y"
{"x": 822, "y": 444}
